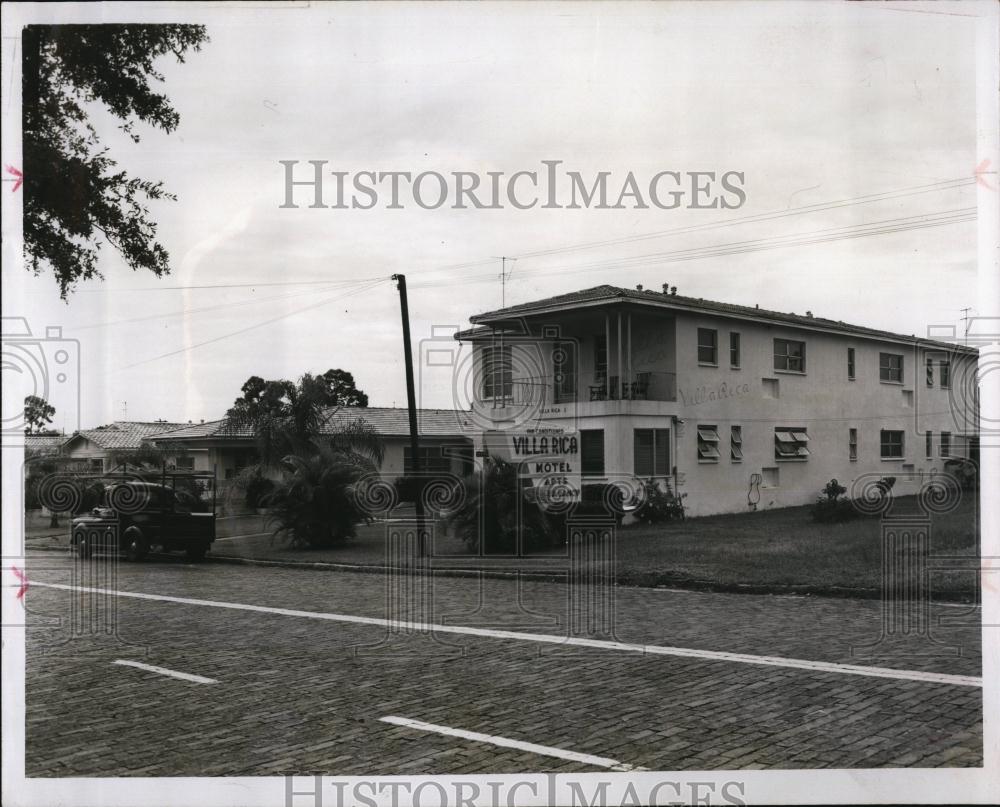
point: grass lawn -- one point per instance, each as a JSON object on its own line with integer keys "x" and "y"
{"x": 775, "y": 550}
{"x": 768, "y": 550}
{"x": 786, "y": 548}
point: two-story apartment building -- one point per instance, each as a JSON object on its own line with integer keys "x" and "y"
{"x": 740, "y": 408}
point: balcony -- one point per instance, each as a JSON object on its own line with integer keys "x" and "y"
{"x": 589, "y": 394}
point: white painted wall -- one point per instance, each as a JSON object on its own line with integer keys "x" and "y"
{"x": 822, "y": 400}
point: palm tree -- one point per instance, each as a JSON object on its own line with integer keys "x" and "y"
{"x": 313, "y": 459}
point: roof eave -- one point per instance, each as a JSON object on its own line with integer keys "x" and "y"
{"x": 496, "y": 317}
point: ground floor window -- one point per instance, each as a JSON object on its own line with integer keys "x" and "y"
{"x": 945, "y": 444}
{"x": 184, "y": 463}
{"x": 929, "y": 445}
{"x": 651, "y": 453}
{"x": 708, "y": 444}
{"x": 791, "y": 443}
{"x": 852, "y": 444}
{"x": 891, "y": 442}
{"x": 432, "y": 461}
{"x": 736, "y": 443}
{"x": 592, "y": 452}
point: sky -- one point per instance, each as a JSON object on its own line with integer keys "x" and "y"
{"x": 813, "y": 103}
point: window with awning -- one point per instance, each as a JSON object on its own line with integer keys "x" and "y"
{"x": 790, "y": 443}
{"x": 708, "y": 444}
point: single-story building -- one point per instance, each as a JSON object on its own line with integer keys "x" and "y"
{"x": 445, "y": 440}
{"x": 38, "y": 445}
{"x": 92, "y": 450}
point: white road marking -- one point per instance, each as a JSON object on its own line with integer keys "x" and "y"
{"x": 197, "y": 679}
{"x": 505, "y": 742}
{"x": 544, "y": 638}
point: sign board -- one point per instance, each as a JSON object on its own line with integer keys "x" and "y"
{"x": 548, "y": 458}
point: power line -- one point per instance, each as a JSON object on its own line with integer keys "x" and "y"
{"x": 825, "y": 235}
{"x": 935, "y": 187}
{"x": 256, "y": 325}
{"x": 190, "y": 311}
{"x": 235, "y": 285}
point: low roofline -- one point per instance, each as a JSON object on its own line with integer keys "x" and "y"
{"x": 505, "y": 318}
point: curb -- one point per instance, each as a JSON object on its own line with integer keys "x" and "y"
{"x": 681, "y": 583}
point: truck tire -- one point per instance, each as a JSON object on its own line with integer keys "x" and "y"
{"x": 196, "y": 552}
{"x": 136, "y": 546}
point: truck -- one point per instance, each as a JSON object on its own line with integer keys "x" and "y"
{"x": 137, "y": 516}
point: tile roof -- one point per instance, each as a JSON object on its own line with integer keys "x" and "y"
{"x": 387, "y": 421}
{"x": 607, "y": 293}
{"x": 125, "y": 433}
{"x": 49, "y": 443}
{"x": 190, "y": 431}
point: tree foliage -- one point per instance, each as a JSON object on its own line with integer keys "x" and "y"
{"x": 38, "y": 414}
{"x": 313, "y": 503}
{"x": 313, "y": 466}
{"x": 489, "y": 518}
{"x": 75, "y": 199}
{"x": 285, "y": 416}
{"x": 341, "y": 389}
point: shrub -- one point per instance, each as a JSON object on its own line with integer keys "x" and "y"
{"x": 964, "y": 472}
{"x": 410, "y": 488}
{"x": 488, "y": 516}
{"x": 314, "y": 505}
{"x": 659, "y": 505}
{"x": 601, "y": 500}
{"x": 833, "y": 506}
{"x": 257, "y": 489}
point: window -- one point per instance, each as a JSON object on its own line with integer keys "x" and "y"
{"x": 789, "y": 356}
{"x": 850, "y": 364}
{"x": 498, "y": 372}
{"x": 652, "y": 452}
{"x": 790, "y": 443}
{"x": 736, "y": 443}
{"x": 929, "y": 445}
{"x": 945, "y": 444}
{"x": 852, "y": 444}
{"x": 891, "y": 443}
{"x": 930, "y": 372}
{"x": 708, "y": 444}
{"x": 708, "y": 346}
{"x": 945, "y": 374}
{"x": 734, "y": 350}
{"x": 601, "y": 358}
{"x": 432, "y": 460}
{"x": 564, "y": 371}
{"x": 184, "y": 463}
{"x": 592, "y": 452}
{"x": 890, "y": 367}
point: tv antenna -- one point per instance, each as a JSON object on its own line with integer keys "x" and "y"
{"x": 965, "y": 319}
{"x": 504, "y": 277}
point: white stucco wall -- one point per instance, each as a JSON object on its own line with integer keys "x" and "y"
{"x": 822, "y": 401}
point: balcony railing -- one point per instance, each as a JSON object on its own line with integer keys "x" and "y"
{"x": 640, "y": 386}
{"x": 647, "y": 385}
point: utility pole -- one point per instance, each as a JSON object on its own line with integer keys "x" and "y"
{"x": 411, "y": 402}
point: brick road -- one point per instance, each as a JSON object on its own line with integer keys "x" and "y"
{"x": 301, "y": 694}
